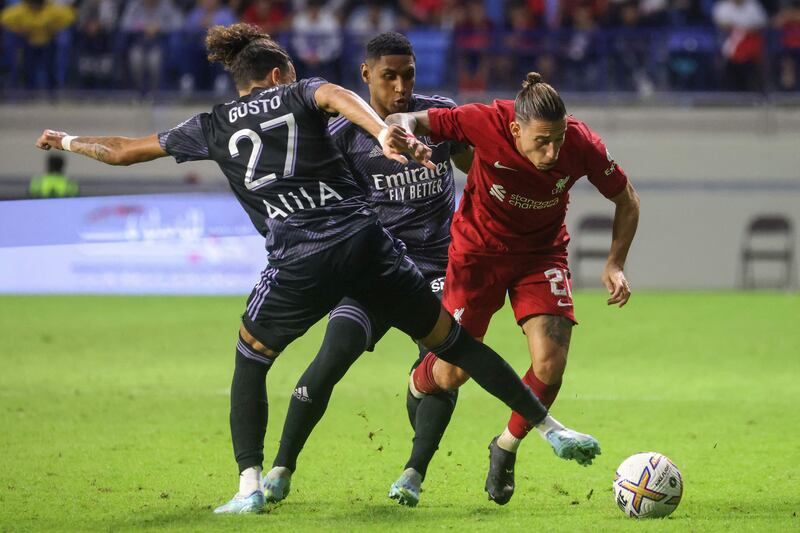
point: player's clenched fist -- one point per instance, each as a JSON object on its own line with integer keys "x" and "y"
{"x": 50, "y": 139}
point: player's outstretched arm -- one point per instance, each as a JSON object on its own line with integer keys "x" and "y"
{"x": 626, "y": 220}
{"x": 336, "y": 99}
{"x": 110, "y": 150}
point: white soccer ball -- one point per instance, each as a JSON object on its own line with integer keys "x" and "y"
{"x": 648, "y": 485}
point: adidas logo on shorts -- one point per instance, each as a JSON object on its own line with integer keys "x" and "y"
{"x": 301, "y": 393}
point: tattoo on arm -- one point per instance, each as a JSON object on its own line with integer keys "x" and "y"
{"x": 558, "y": 329}
{"x": 102, "y": 149}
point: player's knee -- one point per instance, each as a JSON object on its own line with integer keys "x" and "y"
{"x": 550, "y": 368}
{"x": 449, "y": 377}
{"x": 255, "y": 344}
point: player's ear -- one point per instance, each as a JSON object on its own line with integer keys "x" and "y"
{"x": 515, "y": 128}
{"x": 365, "y": 73}
{"x": 275, "y": 76}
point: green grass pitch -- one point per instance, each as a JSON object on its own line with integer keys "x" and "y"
{"x": 114, "y": 417}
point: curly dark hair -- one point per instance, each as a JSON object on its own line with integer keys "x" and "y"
{"x": 388, "y": 44}
{"x": 245, "y": 51}
{"x": 538, "y": 100}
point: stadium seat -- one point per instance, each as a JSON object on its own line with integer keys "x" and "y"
{"x": 592, "y": 242}
{"x": 768, "y": 239}
{"x": 691, "y": 58}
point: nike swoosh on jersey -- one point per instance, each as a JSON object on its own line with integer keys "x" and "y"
{"x": 564, "y": 304}
{"x": 498, "y": 165}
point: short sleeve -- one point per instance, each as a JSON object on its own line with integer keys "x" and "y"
{"x": 307, "y": 90}
{"x": 601, "y": 168}
{"x": 462, "y": 124}
{"x": 186, "y": 141}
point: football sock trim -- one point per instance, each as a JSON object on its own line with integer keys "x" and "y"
{"x": 247, "y": 351}
{"x": 250, "y": 480}
{"x": 358, "y": 316}
{"x": 508, "y": 441}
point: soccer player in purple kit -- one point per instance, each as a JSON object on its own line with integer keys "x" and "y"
{"x": 416, "y": 205}
{"x": 324, "y": 241}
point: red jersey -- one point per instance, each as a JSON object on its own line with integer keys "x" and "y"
{"x": 509, "y": 206}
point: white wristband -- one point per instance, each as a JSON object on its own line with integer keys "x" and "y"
{"x": 547, "y": 425}
{"x": 382, "y": 136}
{"x": 66, "y": 141}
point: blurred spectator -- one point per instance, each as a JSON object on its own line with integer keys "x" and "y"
{"x": 97, "y": 20}
{"x": 422, "y": 12}
{"x": 269, "y": 15}
{"x": 519, "y": 52}
{"x": 473, "y": 39}
{"x": 580, "y": 54}
{"x": 652, "y": 13}
{"x": 630, "y": 48}
{"x": 742, "y": 22}
{"x": 147, "y": 25}
{"x": 687, "y": 13}
{"x": 370, "y": 19}
{"x": 317, "y": 41}
{"x": 53, "y": 183}
{"x": 787, "y": 21}
{"x": 33, "y": 26}
{"x": 577, "y": 12}
{"x": 198, "y": 72}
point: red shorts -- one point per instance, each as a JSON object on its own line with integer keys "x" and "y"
{"x": 476, "y": 285}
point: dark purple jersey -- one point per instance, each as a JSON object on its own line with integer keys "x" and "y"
{"x": 273, "y": 146}
{"x": 414, "y": 203}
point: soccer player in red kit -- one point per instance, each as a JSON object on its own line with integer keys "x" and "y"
{"x": 508, "y": 236}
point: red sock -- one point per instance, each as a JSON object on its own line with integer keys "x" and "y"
{"x": 517, "y": 425}
{"x": 423, "y": 376}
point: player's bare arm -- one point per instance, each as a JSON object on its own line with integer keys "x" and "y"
{"x": 626, "y": 220}
{"x": 335, "y": 99}
{"x": 463, "y": 160}
{"x": 416, "y": 122}
{"x": 111, "y": 150}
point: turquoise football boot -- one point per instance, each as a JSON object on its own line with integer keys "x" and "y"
{"x": 569, "y": 444}
{"x": 407, "y": 488}
{"x": 240, "y": 504}
{"x": 277, "y": 488}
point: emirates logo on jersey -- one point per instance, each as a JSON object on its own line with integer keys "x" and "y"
{"x": 498, "y": 191}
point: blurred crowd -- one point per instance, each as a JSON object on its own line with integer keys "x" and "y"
{"x": 579, "y": 45}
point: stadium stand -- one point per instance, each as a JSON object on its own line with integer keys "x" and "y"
{"x": 155, "y": 46}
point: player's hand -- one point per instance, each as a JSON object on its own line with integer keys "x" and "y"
{"x": 617, "y": 285}
{"x": 397, "y": 141}
{"x": 50, "y": 139}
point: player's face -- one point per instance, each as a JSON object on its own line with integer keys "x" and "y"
{"x": 391, "y": 81}
{"x": 540, "y": 140}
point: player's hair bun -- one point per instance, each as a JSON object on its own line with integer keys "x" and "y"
{"x": 532, "y": 79}
{"x": 224, "y": 43}
{"x": 538, "y": 101}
